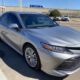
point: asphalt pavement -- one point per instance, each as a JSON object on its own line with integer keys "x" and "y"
{"x": 14, "y": 66}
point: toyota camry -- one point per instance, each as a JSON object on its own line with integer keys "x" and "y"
{"x": 45, "y": 44}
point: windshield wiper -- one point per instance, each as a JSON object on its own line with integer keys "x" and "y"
{"x": 41, "y": 26}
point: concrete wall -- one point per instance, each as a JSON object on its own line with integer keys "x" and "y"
{"x": 27, "y": 9}
{"x": 67, "y": 12}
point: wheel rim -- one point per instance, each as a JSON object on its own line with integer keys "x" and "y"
{"x": 31, "y": 57}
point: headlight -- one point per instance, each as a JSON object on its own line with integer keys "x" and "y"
{"x": 53, "y": 48}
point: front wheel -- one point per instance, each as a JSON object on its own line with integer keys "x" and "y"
{"x": 32, "y": 57}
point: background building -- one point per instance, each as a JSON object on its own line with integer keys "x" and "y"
{"x": 64, "y": 12}
{"x": 26, "y": 9}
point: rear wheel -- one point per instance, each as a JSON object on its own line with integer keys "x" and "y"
{"x": 32, "y": 57}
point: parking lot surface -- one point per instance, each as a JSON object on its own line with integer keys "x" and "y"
{"x": 14, "y": 66}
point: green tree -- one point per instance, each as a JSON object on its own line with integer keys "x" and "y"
{"x": 55, "y": 13}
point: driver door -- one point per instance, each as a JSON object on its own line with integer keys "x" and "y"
{"x": 12, "y": 36}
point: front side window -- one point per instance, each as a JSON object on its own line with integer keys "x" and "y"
{"x": 12, "y": 19}
{"x": 3, "y": 20}
{"x": 37, "y": 20}
{"x": 8, "y": 19}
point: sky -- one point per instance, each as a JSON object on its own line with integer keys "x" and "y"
{"x": 61, "y": 4}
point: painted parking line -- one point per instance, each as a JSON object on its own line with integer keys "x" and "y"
{"x": 2, "y": 76}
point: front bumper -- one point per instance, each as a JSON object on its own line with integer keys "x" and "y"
{"x": 70, "y": 64}
{"x": 59, "y": 64}
{"x": 67, "y": 67}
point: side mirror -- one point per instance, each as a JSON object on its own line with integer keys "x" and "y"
{"x": 14, "y": 26}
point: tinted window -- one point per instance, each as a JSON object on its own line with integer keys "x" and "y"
{"x": 3, "y": 20}
{"x": 38, "y": 20}
{"x": 12, "y": 19}
{"x": 8, "y": 19}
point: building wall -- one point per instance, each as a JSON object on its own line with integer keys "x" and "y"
{"x": 27, "y": 9}
{"x": 67, "y": 12}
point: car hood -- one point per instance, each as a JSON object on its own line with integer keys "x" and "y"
{"x": 59, "y": 35}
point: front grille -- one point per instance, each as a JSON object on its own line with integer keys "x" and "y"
{"x": 70, "y": 64}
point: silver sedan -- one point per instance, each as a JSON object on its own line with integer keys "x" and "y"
{"x": 44, "y": 44}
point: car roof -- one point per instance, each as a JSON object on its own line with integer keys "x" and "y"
{"x": 19, "y": 12}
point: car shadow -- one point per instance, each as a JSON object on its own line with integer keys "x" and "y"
{"x": 17, "y": 63}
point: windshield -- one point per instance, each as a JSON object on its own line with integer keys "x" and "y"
{"x": 37, "y": 20}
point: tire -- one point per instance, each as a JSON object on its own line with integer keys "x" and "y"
{"x": 33, "y": 55}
